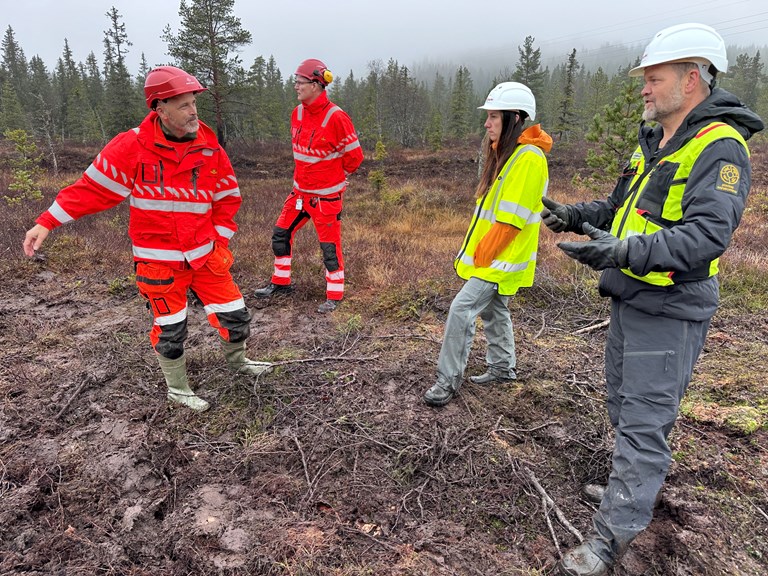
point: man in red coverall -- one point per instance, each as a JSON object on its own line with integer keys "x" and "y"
{"x": 183, "y": 198}
{"x": 325, "y": 151}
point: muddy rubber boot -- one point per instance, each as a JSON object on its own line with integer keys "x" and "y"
{"x": 236, "y": 360}
{"x": 175, "y": 372}
{"x": 582, "y": 561}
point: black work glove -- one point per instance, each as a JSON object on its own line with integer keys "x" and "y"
{"x": 555, "y": 216}
{"x": 603, "y": 251}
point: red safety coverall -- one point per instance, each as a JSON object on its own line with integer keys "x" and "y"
{"x": 183, "y": 198}
{"x": 325, "y": 151}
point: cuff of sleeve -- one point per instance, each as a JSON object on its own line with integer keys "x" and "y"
{"x": 622, "y": 254}
{"x": 46, "y": 219}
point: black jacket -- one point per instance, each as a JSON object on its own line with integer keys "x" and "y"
{"x": 709, "y": 217}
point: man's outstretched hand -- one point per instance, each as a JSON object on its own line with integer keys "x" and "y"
{"x": 603, "y": 251}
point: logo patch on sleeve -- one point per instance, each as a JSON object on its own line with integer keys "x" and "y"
{"x": 728, "y": 176}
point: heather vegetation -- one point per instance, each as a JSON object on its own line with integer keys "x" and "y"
{"x": 333, "y": 465}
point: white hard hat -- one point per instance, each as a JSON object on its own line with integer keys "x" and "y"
{"x": 685, "y": 43}
{"x": 511, "y": 96}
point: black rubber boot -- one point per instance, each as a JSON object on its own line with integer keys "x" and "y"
{"x": 273, "y": 289}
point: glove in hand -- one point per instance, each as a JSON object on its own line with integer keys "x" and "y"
{"x": 603, "y": 251}
{"x": 555, "y": 215}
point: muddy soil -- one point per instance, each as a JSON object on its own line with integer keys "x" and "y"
{"x": 333, "y": 465}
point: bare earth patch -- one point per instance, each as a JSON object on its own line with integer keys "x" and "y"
{"x": 333, "y": 465}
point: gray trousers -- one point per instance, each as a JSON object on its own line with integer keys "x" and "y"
{"x": 476, "y": 298}
{"x": 648, "y": 365}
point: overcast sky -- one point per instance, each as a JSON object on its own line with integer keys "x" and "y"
{"x": 347, "y": 34}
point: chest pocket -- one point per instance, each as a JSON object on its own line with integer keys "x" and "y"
{"x": 660, "y": 199}
{"x": 151, "y": 173}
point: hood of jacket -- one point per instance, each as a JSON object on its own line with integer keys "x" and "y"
{"x": 536, "y": 136}
{"x": 720, "y": 106}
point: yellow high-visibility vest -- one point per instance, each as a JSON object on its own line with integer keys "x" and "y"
{"x": 515, "y": 199}
{"x": 655, "y": 199}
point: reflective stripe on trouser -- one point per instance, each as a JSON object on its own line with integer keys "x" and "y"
{"x": 648, "y": 365}
{"x": 476, "y": 297}
{"x": 325, "y": 214}
{"x": 165, "y": 289}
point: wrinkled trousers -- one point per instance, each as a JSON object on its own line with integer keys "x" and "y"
{"x": 325, "y": 213}
{"x": 165, "y": 290}
{"x": 476, "y": 298}
{"x": 649, "y": 361}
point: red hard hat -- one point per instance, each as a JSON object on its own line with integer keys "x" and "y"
{"x": 315, "y": 70}
{"x": 166, "y": 82}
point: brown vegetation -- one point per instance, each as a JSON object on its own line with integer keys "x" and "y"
{"x": 333, "y": 465}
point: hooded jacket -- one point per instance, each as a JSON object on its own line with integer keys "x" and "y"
{"x": 180, "y": 204}
{"x": 710, "y": 213}
{"x": 513, "y": 200}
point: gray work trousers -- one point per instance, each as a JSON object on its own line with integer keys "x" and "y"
{"x": 477, "y": 297}
{"x": 648, "y": 365}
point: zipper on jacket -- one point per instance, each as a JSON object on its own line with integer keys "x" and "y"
{"x": 309, "y": 146}
{"x": 195, "y": 172}
{"x": 162, "y": 180}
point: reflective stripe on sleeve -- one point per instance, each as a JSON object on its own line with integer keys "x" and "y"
{"x": 105, "y": 181}
{"x": 59, "y": 213}
{"x": 224, "y": 232}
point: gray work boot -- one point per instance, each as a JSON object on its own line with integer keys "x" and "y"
{"x": 440, "y": 394}
{"x": 490, "y": 377}
{"x": 236, "y": 360}
{"x": 582, "y": 561}
{"x": 175, "y": 372}
{"x": 328, "y": 306}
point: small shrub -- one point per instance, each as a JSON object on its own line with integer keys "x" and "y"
{"x": 25, "y": 169}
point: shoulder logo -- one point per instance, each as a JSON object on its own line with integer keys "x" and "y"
{"x": 728, "y": 177}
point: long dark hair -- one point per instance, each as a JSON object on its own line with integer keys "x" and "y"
{"x": 495, "y": 158}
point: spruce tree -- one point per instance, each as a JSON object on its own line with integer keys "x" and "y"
{"x": 206, "y": 45}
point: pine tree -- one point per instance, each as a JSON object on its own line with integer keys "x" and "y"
{"x": 42, "y": 106}
{"x": 122, "y": 110}
{"x": 615, "y": 133}
{"x": 16, "y": 72}
{"x": 528, "y": 70}
{"x": 72, "y": 106}
{"x": 369, "y": 127}
{"x": 743, "y": 79}
{"x": 94, "y": 94}
{"x": 207, "y": 44}
{"x": 12, "y": 116}
{"x": 566, "y": 118}
{"x": 462, "y": 101}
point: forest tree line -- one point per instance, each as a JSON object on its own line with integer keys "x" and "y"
{"x": 94, "y": 100}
